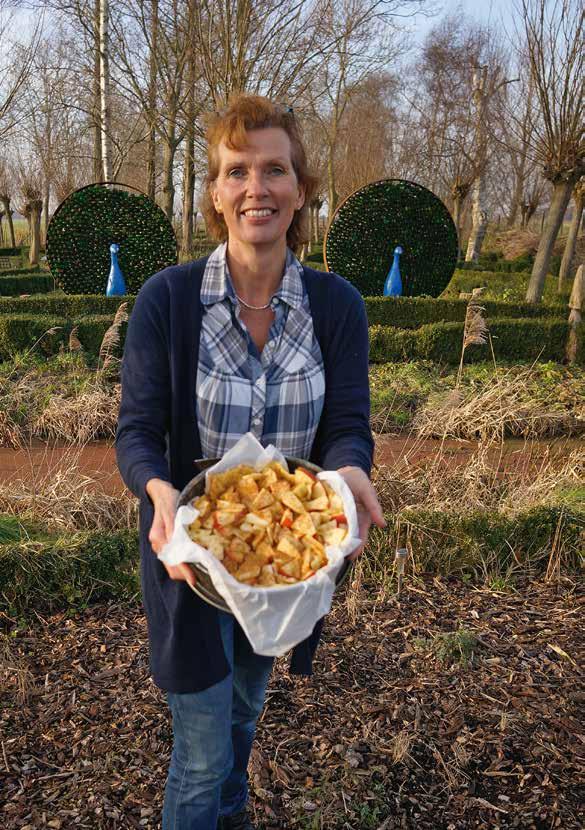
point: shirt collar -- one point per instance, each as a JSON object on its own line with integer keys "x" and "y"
{"x": 217, "y": 283}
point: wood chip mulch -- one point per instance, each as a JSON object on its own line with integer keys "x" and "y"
{"x": 385, "y": 735}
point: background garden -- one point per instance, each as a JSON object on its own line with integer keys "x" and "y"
{"x": 454, "y": 703}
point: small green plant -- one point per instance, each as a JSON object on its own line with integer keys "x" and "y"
{"x": 450, "y": 646}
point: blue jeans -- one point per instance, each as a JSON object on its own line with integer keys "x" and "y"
{"x": 213, "y": 732}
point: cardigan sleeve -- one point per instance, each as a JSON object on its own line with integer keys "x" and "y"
{"x": 144, "y": 417}
{"x": 344, "y": 434}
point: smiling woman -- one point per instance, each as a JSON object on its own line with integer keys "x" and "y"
{"x": 247, "y": 340}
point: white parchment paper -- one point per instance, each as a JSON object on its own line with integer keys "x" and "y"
{"x": 274, "y": 619}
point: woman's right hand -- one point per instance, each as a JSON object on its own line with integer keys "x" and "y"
{"x": 164, "y": 499}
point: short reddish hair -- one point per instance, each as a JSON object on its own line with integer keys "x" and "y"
{"x": 253, "y": 112}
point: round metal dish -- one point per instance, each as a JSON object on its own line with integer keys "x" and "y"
{"x": 204, "y": 587}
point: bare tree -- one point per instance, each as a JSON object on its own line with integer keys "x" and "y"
{"x": 554, "y": 33}
{"x": 16, "y": 61}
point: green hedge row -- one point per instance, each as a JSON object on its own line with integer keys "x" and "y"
{"x": 69, "y": 306}
{"x": 413, "y": 312}
{"x": 526, "y": 340}
{"x": 402, "y": 312}
{"x": 449, "y": 542}
{"x": 25, "y": 282}
{"x": 47, "y": 576}
{"x": 522, "y": 339}
{"x": 19, "y": 332}
{"x": 10, "y": 251}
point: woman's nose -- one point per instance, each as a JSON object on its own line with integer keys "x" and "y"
{"x": 256, "y": 183}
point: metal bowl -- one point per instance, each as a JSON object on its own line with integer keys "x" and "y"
{"x": 204, "y": 587}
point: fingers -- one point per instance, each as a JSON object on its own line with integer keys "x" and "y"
{"x": 370, "y": 501}
{"x": 181, "y": 573}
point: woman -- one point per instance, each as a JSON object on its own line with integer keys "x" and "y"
{"x": 246, "y": 340}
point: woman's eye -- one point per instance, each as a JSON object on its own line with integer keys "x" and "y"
{"x": 235, "y": 173}
{"x": 278, "y": 171}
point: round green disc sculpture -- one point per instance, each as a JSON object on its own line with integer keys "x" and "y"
{"x": 374, "y": 220}
{"x": 91, "y": 219}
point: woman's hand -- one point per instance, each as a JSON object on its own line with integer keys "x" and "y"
{"x": 164, "y": 498}
{"x": 366, "y": 501}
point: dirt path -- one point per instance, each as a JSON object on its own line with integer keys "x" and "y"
{"x": 384, "y": 735}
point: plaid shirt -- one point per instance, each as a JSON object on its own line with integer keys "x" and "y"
{"x": 278, "y": 394}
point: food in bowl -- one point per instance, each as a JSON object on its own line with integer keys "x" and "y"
{"x": 268, "y": 527}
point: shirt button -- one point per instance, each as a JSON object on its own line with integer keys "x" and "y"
{"x": 256, "y": 421}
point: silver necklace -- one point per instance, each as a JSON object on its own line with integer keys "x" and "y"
{"x": 253, "y": 307}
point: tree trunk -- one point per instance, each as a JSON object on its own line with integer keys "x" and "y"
{"x": 105, "y": 90}
{"x": 560, "y": 199}
{"x": 33, "y": 215}
{"x": 571, "y": 243}
{"x": 189, "y": 163}
{"x": 478, "y": 200}
{"x": 188, "y": 192}
{"x": 516, "y": 200}
{"x": 151, "y": 158}
{"x": 457, "y": 204}
{"x": 333, "y": 197}
{"x": 46, "y": 202}
{"x": 96, "y": 105}
{"x": 479, "y": 220}
{"x": 6, "y": 202}
{"x": 168, "y": 189}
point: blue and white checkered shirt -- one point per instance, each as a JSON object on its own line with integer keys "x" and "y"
{"x": 277, "y": 394}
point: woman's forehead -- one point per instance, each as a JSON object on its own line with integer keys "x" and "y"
{"x": 266, "y": 143}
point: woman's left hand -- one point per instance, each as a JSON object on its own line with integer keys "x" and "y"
{"x": 366, "y": 501}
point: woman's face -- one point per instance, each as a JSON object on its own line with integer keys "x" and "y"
{"x": 257, "y": 190}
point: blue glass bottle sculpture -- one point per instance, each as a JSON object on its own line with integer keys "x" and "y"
{"x": 116, "y": 286}
{"x": 393, "y": 284}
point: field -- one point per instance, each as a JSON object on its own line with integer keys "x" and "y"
{"x": 453, "y": 704}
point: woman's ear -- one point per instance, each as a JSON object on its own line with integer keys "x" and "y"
{"x": 301, "y": 197}
{"x": 215, "y": 198}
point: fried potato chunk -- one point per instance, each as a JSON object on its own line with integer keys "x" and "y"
{"x": 268, "y": 527}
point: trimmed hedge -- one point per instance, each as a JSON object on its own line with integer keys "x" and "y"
{"x": 413, "y": 312}
{"x": 10, "y": 251}
{"x": 65, "y": 572}
{"x": 19, "y": 332}
{"x": 25, "y": 282}
{"x": 69, "y": 306}
{"x": 525, "y": 340}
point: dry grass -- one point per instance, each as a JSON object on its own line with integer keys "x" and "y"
{"x": 517, "y": 242}
{"x": 477, "y": 485}
{"x": 86, "y": 417}
{"x": 505, "y": 408}
{"x": 64, "y": 499}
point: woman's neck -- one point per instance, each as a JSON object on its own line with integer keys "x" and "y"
{"x": 256, "y": 271}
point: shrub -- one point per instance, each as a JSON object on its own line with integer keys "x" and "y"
{"x": 69, "y": 571}
{"x": 13, "y": 283}
{"x": 412, "y": 312}
{"x": 526, "y": 340}
{"x": 69, "y": 306}
{"x": 19, "y": 332}
{"x": 10, "y": 251}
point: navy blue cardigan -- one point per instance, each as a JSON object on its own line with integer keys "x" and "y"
{"x": 158, "y": 437}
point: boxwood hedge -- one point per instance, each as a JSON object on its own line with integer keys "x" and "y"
{"x": 525, "y": 340}
{"x": 25, "y": 282}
